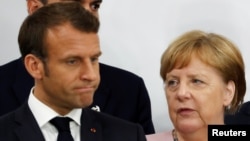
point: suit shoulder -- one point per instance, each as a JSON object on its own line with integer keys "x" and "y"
{"x": 118, "y": 127}
{"x": 110, "y": 120}
{"x": 118, "y": 72}
{"x": 6, "y": 121}
{"x": 10, "y": 66}
{"x": 245, "y": 108}
{"x": 6, "y": 127}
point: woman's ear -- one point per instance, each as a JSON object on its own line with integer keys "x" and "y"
{"x": 34, "y": 66}
{"x": 33, "y": 5}
{"x": 230, "y": 92}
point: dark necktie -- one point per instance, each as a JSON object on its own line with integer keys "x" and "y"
{"x": 62, "y": 125}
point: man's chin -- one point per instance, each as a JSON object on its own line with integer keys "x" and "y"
{"x": 85, "y": 104}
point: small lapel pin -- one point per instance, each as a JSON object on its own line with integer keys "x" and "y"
{"x": 96, "y": 108}
{"x": 93, "y": 130}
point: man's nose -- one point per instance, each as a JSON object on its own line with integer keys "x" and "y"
{"x": 89, "y": 71}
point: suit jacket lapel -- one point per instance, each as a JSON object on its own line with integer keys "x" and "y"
{"x": 91, "y": 129}
{"x": 27, "y": 128}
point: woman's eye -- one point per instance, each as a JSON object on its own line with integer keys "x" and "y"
{"x": 197, "y": 81}
{"x": 172, "y": 83}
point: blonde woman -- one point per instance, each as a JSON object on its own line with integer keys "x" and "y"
{"x": 204, "y": 77}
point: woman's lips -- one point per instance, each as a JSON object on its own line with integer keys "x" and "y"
{"x": 185, "y": 111}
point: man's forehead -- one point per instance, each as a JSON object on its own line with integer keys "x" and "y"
{"x": 83, "y": 0}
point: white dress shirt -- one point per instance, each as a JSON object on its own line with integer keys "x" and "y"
{"x": 43, "y": 114}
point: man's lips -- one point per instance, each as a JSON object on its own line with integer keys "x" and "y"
{"x": 85, "y": 89}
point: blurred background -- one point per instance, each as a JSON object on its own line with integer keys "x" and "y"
{"x": 134, "y": 34}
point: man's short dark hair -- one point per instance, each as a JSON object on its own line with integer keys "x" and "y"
{"x": 44, "y": 1}
{"x": 33, "y": 31}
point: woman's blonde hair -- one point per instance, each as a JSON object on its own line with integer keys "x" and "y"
{"x": 214, "y": 50}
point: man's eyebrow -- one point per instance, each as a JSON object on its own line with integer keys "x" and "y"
{"x": 98, "y": 0}
{"x": 95, "y": 1}
{"x": 66, "y": 0}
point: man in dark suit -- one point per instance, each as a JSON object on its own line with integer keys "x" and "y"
{"x": 60, "y": 48}
{"x": 241, "y": 117}
{"x": 120, "y": 93}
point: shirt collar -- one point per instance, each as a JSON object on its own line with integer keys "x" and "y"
{"x": 43, "y": 113}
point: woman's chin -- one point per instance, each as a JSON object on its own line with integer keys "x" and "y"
{"x": 189, "y": 125}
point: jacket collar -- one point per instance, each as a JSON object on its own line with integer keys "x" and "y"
{"x": 27, "y": 128}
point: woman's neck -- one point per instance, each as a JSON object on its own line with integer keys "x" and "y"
{"x": 199, "y": 135}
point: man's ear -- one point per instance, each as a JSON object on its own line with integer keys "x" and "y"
{"x": 33, "y": 5}
{"x": 230, "y": 92}
{"x": 34, "y": 66}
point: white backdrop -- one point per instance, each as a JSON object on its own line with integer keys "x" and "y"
{"x": 134, "y": 33}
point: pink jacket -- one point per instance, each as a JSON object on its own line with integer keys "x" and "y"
{"x": 162, "y": 136}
